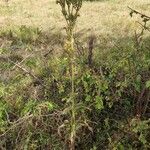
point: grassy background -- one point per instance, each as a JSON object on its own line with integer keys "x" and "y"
{"x": 105, "y": 18}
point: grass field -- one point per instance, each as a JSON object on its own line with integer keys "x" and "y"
{"x": 92, "y": 94}
{"x": 108, "y": 18}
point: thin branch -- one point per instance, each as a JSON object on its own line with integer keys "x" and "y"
{"x": 144, "y": 26}
{"x": 137, "y": 12}
{"x": 21, "y": 62}
{"x": 146, "y": 104}
{"x": 27, "y": 72}
{"x": 17, "y": 123}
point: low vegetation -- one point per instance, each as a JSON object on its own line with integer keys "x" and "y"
{"x": 84, "y": 89}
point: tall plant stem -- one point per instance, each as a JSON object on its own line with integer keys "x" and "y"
{"x": 70, "y": 11}
{"x": 73, "y": 105}
{"x": 73, "y": 110}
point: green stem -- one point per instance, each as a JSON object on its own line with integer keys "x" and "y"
{"x": 73, "y": 116}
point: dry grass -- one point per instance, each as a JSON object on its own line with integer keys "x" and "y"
{"x": 106, "y": 18}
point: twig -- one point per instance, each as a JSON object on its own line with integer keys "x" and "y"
{"x": 27, "y": 72}
{"x": 144, "y": 26}
{"x": 146, "y": 105}
{"x": 50, "y": 51}
{"x": 137, "y": 12}
{"x": 21, "y": 62}
{"x": 90, "y": 52}
{"x": 17, "y": 123}
{"x": 139, "y": 103}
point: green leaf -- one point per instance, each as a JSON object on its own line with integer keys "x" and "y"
{"x": 142, "y": 139}
{"x": 99, "y": 103}
{"x": 148, "y": 84}
{"x": 88, "y": 98}
{"x": 29, "y": 107}
{"x": 2, "y": 90}
{"x": 50, "y": 106}
{"x": 120, "y": 146}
